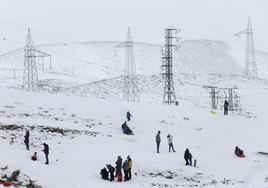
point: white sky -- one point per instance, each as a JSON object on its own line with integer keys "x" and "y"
{"x": 86, "y": 20}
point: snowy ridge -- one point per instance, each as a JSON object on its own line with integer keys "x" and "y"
{"x": 93, "y": 61}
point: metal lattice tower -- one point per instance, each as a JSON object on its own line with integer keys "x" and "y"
{"x": 231, "y": 96}
{"x": 169, "y": 96}
{"x": 130, "y": 87}
{"x": 213, "y": 96}
{"x": 30, "y": 76}
{"x": 250, "y": 57}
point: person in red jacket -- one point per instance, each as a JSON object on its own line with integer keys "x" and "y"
{"x": 34, "y": 157}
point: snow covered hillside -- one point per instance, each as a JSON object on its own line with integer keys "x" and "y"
{"x": 79, "y": 113}
{"x": 84, "y": 134}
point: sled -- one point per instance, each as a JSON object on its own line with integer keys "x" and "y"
{"x": 213, "y": 112}
{"x": 242, "y": 156}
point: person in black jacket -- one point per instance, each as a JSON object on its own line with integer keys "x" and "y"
{"x": 118, "y": 168}
{"x": 188, "y": 157}
{"x": 126, "y": 129}
{"x": 26, "y": 139}
{"x": 111, "y": 171}
{"x": 239, "y": 152}
{"x": 104, "y": 174}
{"x": 128, "y": 116}
{"x": 158, "y": 140}
{"x": 125, "y": 169}
{"x": 46, "y": 151}
{"x": 226, "y": 106}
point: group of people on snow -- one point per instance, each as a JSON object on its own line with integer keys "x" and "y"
{"x": 34, "y": 156}
{"x": 187, "y": 154}
{"x": 109, "y": 172}
{"x": 117, "y": 170}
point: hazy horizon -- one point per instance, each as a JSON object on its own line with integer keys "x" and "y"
{"x": 88, "y": 20}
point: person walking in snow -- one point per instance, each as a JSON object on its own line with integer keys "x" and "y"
{"x": 46, "y": 152}
{"x": 125, "y": 169}
{"x": 129, "y": 160}
{"x": 26, "y": 139}
{"x": 158, "y": 140}
{"x": 170, "y": 143}
{"x": 111, "y": 170}
{"x": 128, "y": 116}
{"x": 226, "y": 106}
{"x": 188, "y": 157}
{"x": 118, "y": 168}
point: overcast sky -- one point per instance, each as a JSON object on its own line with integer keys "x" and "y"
{"x": 87, "y": 20}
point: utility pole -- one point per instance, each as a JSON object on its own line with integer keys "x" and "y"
{"x": 236, "y": 105}
{"x": 232, "y": 98}
{"x": 30, "y": 76}
{"x": 130, "y": 87}
{"x": 169, "y": 96}
{"x": 250, "y": 57}
{"x": 213, "y": 96}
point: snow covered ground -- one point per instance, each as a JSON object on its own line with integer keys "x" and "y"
{"x": 79, "y": 113}
{"x": 89, "y": 135}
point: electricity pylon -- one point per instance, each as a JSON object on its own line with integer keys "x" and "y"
{"x": 130, "y": 87}
{"x": 30, "y": 76}
{"x": 169, "y": 96}
{"x": 250, "y": 57}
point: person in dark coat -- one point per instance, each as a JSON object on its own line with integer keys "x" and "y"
{"x": 188, "y": 157}
{"x": 111, "y": 170}
{"x": 46, "y": 151}
{"x": 129, "y": 160}
{"x": 158, "y": 140}
{"x": 126, "y": 129}
{"x": 125, "y": 169}
{"x": 118, "y": 168}
{"x": 26, "y": 139}
{"x": 226, "y": 106}
{"x": 128, "y": 116}
{"x": 238, "y": 152}
{"x": 104, "y": 174}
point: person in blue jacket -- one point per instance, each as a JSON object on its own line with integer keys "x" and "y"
{"x": 128, "y": 116}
